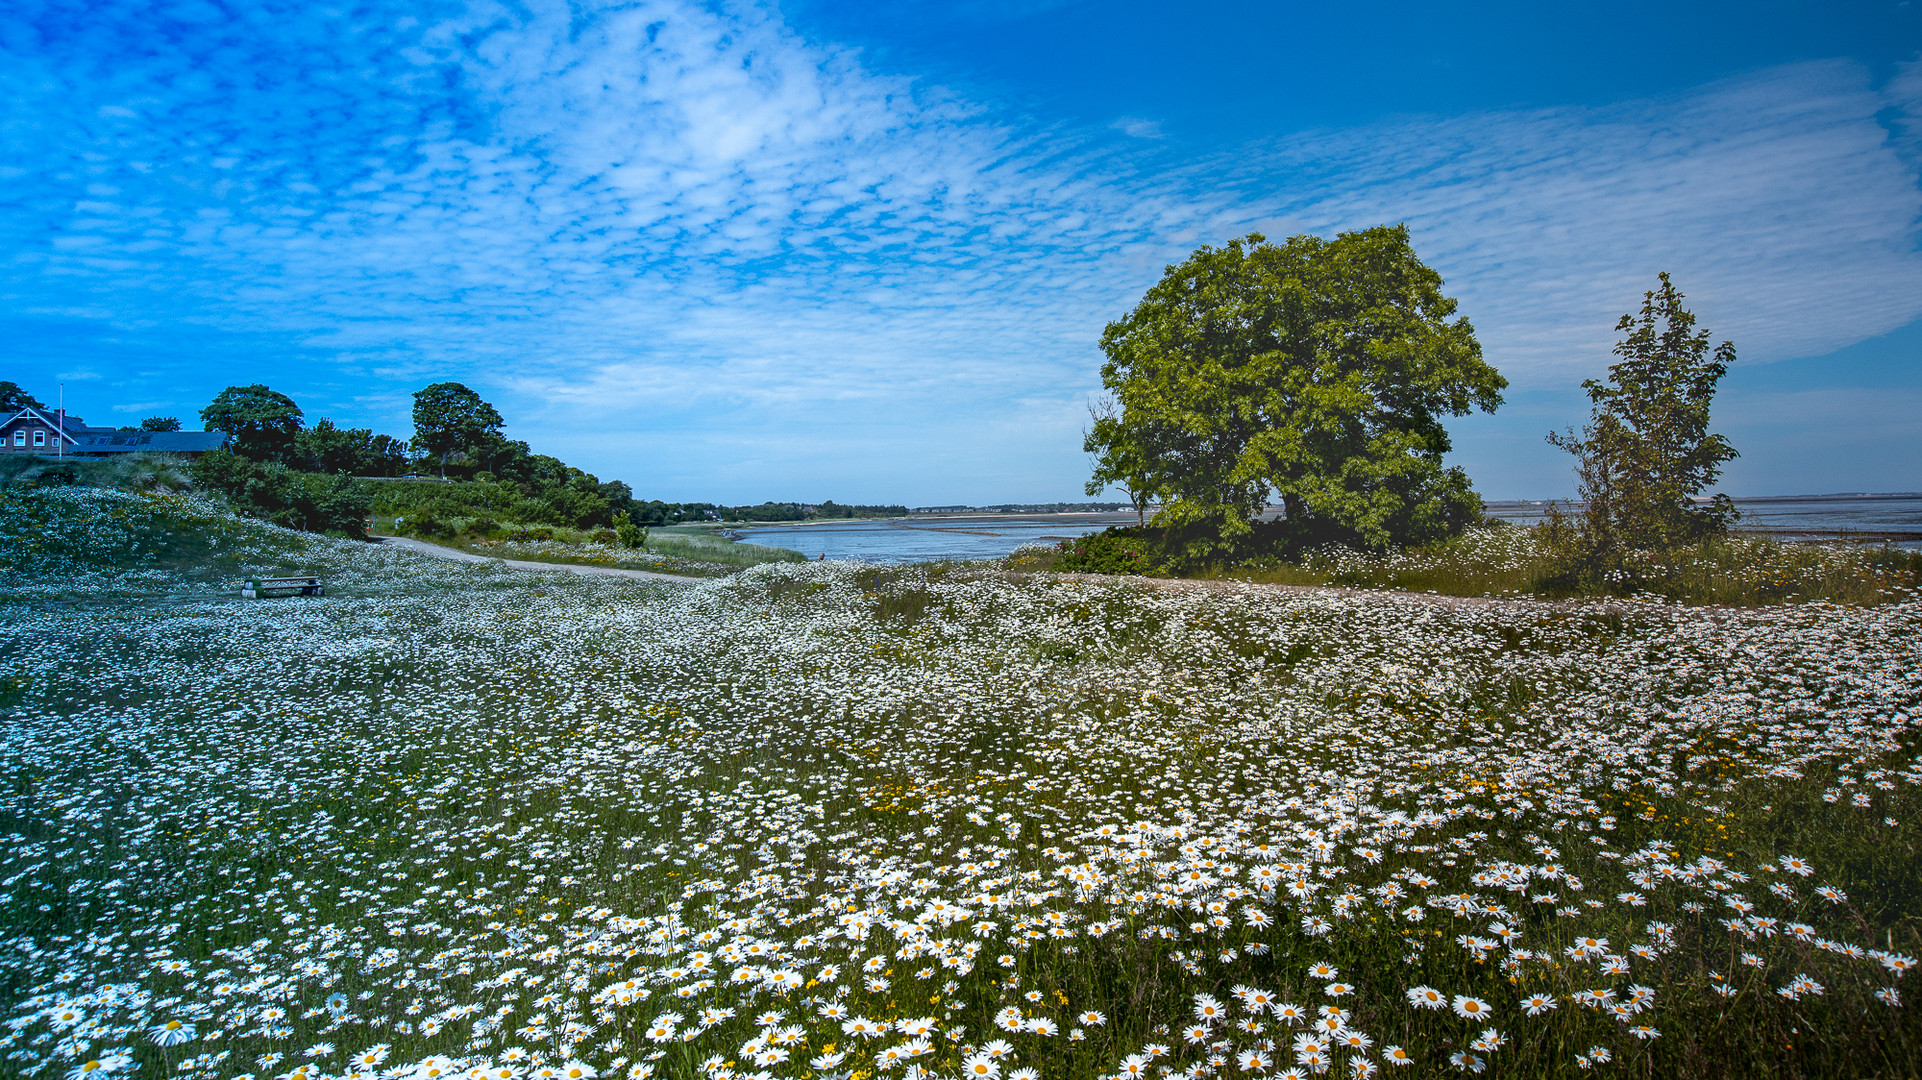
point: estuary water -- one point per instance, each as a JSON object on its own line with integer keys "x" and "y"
{"x": 930, "y": 537}
{"x": 1893, "y": 518}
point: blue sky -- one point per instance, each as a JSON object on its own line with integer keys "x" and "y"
{"x": 865, "y": 251}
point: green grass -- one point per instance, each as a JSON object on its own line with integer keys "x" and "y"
{"x": 457, "y": 793}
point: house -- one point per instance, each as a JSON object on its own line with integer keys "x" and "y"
{"x": 50, "y": 433}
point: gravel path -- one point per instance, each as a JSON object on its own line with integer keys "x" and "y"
{"x": 409, "y": 544}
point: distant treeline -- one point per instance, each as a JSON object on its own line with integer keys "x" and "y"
{"x": 326, "y": 478}
{"x": 773, "y": 511}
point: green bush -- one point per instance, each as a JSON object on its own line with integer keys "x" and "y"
{"x": 1111, "y": 551}
{"x": 628, "y": 534}
{"x": 335, "y": 505}
{"x": 425, "y": 526}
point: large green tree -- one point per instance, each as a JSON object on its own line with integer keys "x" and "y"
{"x": 1316, "y": 372}
{"x": 1647, "y": 450}
{"x": 449, "y": 418}
{"x": 263, "y": 423}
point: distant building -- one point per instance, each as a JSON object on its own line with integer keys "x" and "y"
{"x": 46, "y": 432}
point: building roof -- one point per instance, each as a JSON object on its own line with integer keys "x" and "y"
{"x": 68, "y": 425}
{"x": 83, "y": 438}
{"x": 107, "y": 441}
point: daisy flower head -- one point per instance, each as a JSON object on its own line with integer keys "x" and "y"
{"x": 171, "y": 1033}
{"x": 1537, "y": 1004}
{"x": 1324, "y": 971}
{"x": 1338, "y": 989}
{"x": 1092, "y": 1018}
{"x": 1396, "y": 1056}
{"x": 1471, "y": 1008}
{"x": 1426, "y": 997}
{"x": 1467, "y": 1062}
{"x": 105, "y": 1065}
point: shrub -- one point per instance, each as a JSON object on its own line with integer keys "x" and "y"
{"x": 1111, "y": 551}
{"x": 335, "y": 505}
{"x": 627, "y": 533}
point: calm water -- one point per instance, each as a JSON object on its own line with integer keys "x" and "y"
{"x": 1897, "y": 518}
{"x": 986, "y": 536}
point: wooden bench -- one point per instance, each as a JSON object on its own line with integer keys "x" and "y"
{"x": 263, "y": 588}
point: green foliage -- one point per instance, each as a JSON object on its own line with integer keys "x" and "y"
{"x": 1646, "y": 451}
{"x": 271, "y": 491}
{"x": 325, "y": 448}
{"x": 1111, "y": 551}
{"x": 629, "y": 534}
{"x": 1314, "y": 371}
{"x": 449, "y": 418}
{"x": 262, "y": 423}
{"x": 13, "y": 398}
{"x": 160, "y": 423}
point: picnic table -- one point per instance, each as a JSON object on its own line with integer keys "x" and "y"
{"x": 263, "y": 588}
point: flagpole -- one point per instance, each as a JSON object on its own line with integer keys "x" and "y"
{"x": 60, "y": 432}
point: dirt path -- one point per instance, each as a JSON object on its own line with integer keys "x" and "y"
{"x": 1161, "y": 584}
{"x": 409, "y": 544}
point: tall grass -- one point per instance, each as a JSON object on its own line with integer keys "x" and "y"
{"x": 123, "y": 472}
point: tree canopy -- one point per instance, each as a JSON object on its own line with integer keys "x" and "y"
{"x": 1647, "y": 451}
{"x": 160, "y": 423}
{"x": 449, "y": 418}
{"x": 262, "y": 422}
{"x": 326, "y": 448}
{"x": 1314, "y": 371}
{"x": 13, "y": 398}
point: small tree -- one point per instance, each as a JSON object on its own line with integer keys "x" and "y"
{"x": 13, "y": 398}
{"x": 262, "y": 422}
{"x": 160, "y": 423}
{"x": 1647, "y": 451}
{"x": 450, "y": 418}
{"x": 629, "y": 534}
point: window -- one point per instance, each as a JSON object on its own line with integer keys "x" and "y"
{"x": 20, "y": 437}
{"x": 39, "y": 438}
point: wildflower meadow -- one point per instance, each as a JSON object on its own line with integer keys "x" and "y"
{"x": 832, "y": 821}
